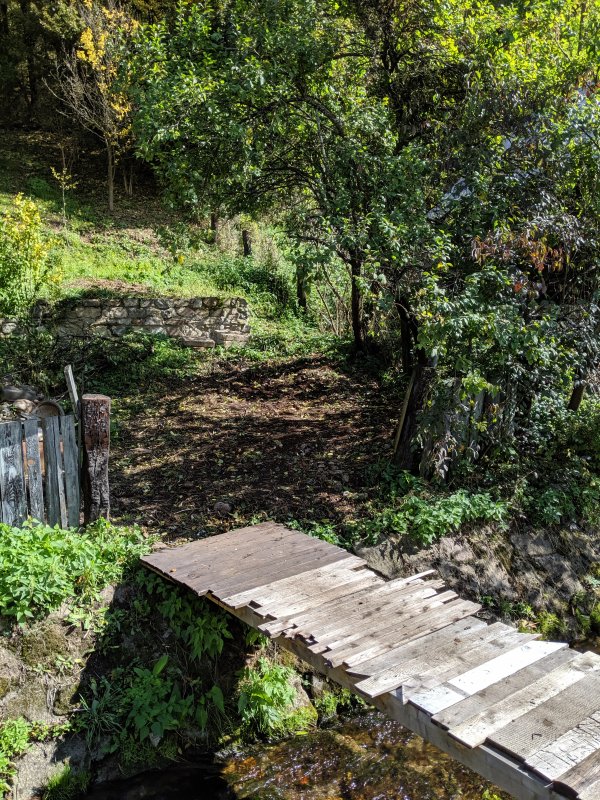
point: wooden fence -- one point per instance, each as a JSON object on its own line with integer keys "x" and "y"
{"x": 39, "y": 472}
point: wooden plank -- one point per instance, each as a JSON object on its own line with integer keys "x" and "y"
{"x": 301, "y": 603}
{"x": 321, "y": 577}
{"x": 54, "y": 486}
{"x": 329, "y": 614}
{"x": 253, "y": 569}
{"x": 95, "y": 423}
{"x": 12, "y": 475}
{"x": 427, "y": 622}
{"x": 72, "y": 389}
{"x": 449, "y": 711}
{"x": 184, "y": 557}
{"x": 583, "y": 779}
{"x": 477, "y": 729}
{"x": 34, "y": 469}
{"x": 550, "y": 720}
{"x": 342, "y": 643}
{"x": 433, "y": 663}
{"x": 345, "y": 604}
{"x": 71, "y": 462}
{"x": 377, "y": 610}
{"x": 567, "y": 751}
{"x": 505, "y": 643}
{"x": 368, "y": 666}
{"x": 264, "y": 573}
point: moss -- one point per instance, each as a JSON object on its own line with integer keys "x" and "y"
{"x": 301, "y": 719}
{"x": 66, "y": 698}
{"x": 550, "y": 625}
{"x": 5, "y": 686}
{"x": 595, "y": 619}
{"x": 43, "y": 643}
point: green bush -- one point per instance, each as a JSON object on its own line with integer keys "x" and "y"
{"x": 426, "y": 517}
{"x": 265, "y": 697}
{"x": 14, "y": 741}
{"x": 41, "y": 567}
{"x": 28, "y": 262}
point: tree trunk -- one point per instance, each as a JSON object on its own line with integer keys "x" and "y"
{"x": 407, "y": 456}
{"x": 356, "y": 302}
{"x": 577, "y": 396}
{"x": 4, "y": 28}
{"x": 110, "y": 162}
{"x": 301, "y": 288}
{"x": 214, "y": 226}
{"x": 408, "y": 334}
{"x": 247, "y": 243}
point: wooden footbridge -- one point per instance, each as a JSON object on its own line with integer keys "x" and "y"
{"x": 523, "y": 713}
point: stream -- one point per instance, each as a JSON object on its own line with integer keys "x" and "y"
{"x": 367, "y": 757}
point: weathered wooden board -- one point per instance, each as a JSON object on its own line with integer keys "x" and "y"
{"x": 478, "y": 728}
{"x": 452, "y": 707}
{"x": 33, "y": 464}
{"x": 12, "y": 475}
{"x": 550, "y": 720}
{"x": 557, "y": 757}
{"x": 71, "y": 470}
{"x": 54, "y": 473}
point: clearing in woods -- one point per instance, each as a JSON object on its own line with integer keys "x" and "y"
{"x": 279, "y": 440}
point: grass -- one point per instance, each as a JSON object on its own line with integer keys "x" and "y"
{"x": 142, "y": 246}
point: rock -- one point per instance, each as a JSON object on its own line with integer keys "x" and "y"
{"x": 45, "y": 759}
{"x": 10, "y": 671}
{"x": 222, "y": 508}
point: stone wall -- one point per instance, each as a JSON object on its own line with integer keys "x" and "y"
{"x": 195, "y": 321}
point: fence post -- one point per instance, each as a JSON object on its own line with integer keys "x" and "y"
{"x": 95, "y": 421}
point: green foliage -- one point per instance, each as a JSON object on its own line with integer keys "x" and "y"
{"x": 40, "y": 567}
{"x": 67, "y": 785}
{"x": 426, "y": 517}
{"x": 27, "y": 261}
{"x": 202, "y": 630}
{"x": 14, "y": 741}
{"x": 265, "y": 697}
{"x": 154, "y": 704}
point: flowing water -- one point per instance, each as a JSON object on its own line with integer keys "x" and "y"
{"x": 367, "y": 757}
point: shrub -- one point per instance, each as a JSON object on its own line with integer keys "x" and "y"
{"x": 265, "y": 697}
{"x": 41, "y": 567}
{"x": 27, "y": 259}
{"x": 14, "y": 741}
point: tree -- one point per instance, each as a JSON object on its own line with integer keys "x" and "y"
{"x": 263, "y": 105}
{"x": 92, "y": 85}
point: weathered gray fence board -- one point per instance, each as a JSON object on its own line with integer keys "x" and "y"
{"x": 12, "y": 482}
{"x": 55, "y": 487}
{"x": 71, "y": 462}
{"x": 34, "y": 469}
{"x": 40, "y": 471}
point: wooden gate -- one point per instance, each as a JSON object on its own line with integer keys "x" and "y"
{"x": 39, "y": 472}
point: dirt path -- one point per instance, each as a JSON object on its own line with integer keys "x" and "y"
{"x": 287, "y": 441}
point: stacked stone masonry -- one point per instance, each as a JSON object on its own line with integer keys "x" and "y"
{"x": 195, "y": 321}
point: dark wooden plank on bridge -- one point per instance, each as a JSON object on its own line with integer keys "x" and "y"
{"x": 71, "y": 462}
{"x": 54, "y": 473}
{"x": 582, "y": 780}
{"x": 33, "y": 465}
{"x": 12, "y": 476}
